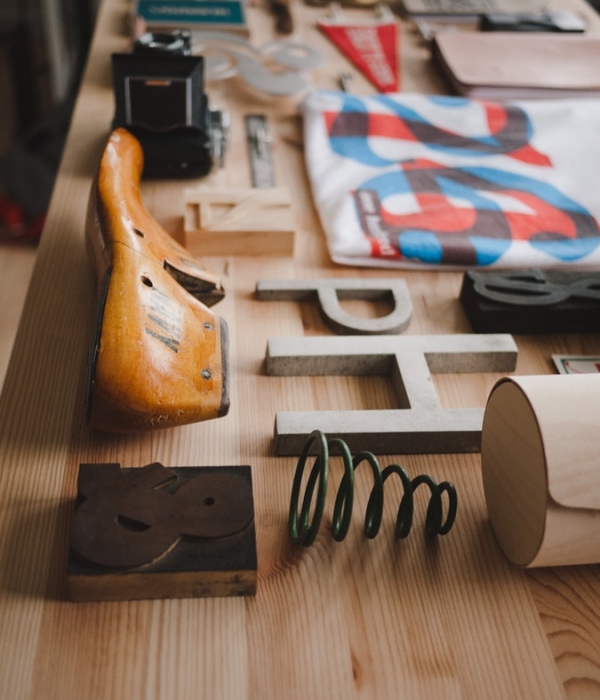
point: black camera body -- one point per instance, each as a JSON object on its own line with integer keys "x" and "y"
{"x": 160, "y": 99}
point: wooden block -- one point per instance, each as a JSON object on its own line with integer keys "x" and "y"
{"x": 239, "y": 221}
{"x": 328, "y": 292}
{"x": 532, "y": 301}
{"x": 539, "y": 464}
{"x": 157, "y": 532}
{"x": 423, "y": 426}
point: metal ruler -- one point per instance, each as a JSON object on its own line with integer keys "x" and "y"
{"x": 259, "y": 147}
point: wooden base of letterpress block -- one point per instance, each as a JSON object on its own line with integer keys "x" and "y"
{"x": 532, "y": 301}
{"x": 195, "y": 566}
{"x": 239, "y": 222}
{"x": 131, "y": 586}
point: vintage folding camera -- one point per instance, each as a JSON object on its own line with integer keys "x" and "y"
{"x": 160, "y": 99}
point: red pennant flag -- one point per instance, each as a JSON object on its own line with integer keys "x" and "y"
{"x": 372, "y": 48}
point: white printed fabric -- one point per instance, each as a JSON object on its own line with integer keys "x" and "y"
{"x": 407, "y": 180}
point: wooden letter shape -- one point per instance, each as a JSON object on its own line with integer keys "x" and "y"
{"x": 424, "y": 426}
{"x": 155, "y": 532}
{"x": 328, "y": 292}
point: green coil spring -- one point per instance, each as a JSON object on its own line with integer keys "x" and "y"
{"x": 303, "y": 530}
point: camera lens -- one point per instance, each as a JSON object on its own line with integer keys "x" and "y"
{"x": 176, "y": 43}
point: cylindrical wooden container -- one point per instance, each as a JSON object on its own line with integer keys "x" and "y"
{"x": 540, "y": 459}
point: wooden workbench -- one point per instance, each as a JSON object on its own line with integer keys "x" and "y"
{"x": 370, "y": 619}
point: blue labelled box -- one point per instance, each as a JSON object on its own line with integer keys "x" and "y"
{"x": 193, "y": 14}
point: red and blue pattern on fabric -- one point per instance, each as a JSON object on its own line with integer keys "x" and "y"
{"x": 456, "y": 201}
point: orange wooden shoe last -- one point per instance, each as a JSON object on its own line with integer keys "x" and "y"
{"x": 159, "y": 356}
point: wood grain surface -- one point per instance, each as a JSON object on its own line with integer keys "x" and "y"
{"x": 357, "y": 619}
